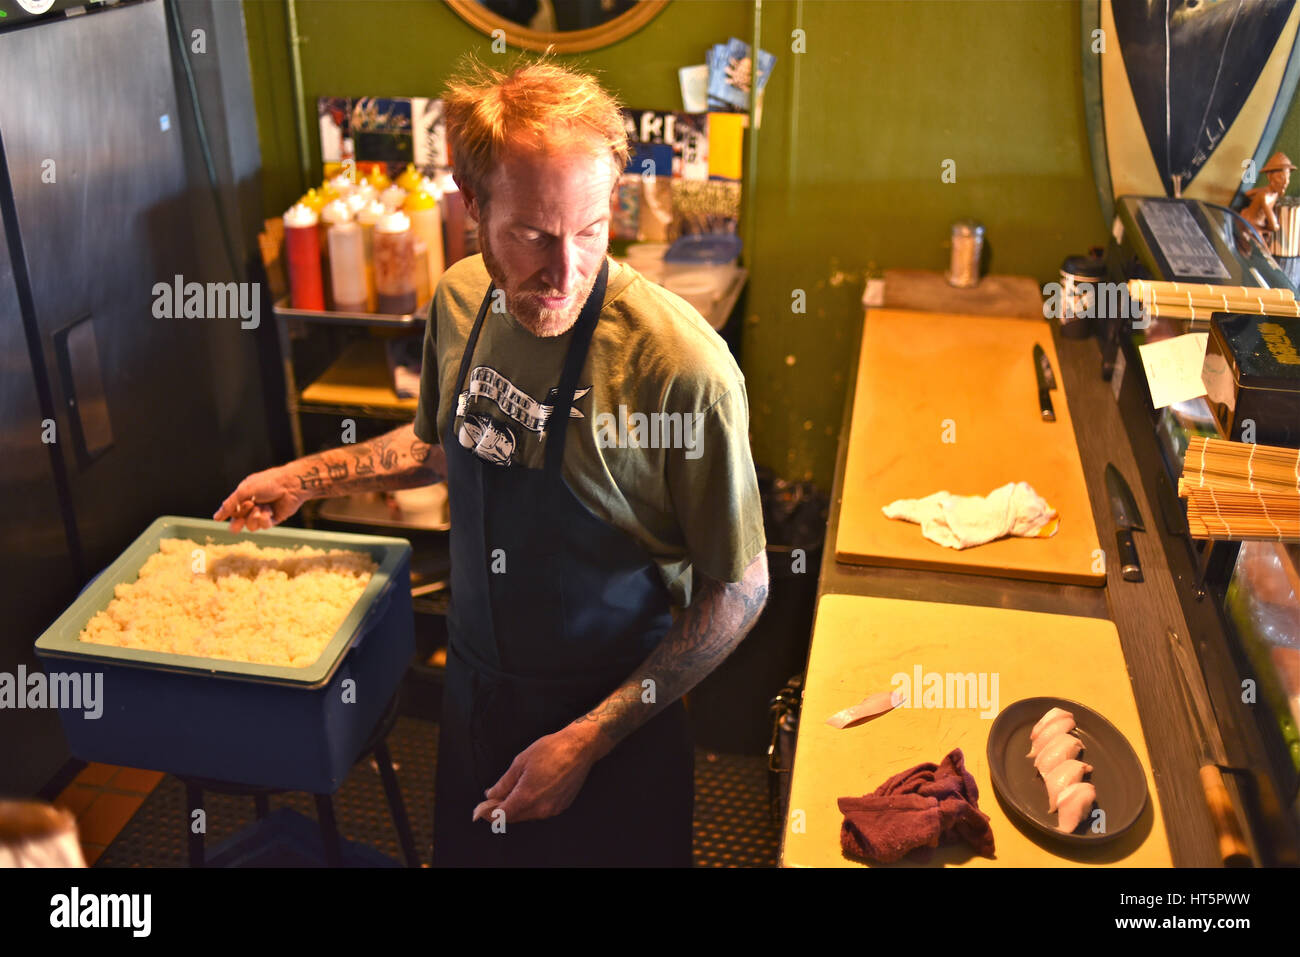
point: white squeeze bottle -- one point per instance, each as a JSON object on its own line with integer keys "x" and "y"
{"x": 335, "y": 211}
{"x": 348, "y": 267}
{"x": 393, "y": 197}
{"x": 366, "y": 219}
{"x": 426, "y": 220}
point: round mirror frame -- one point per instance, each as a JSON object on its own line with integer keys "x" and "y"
{"x": 574, "y": 41}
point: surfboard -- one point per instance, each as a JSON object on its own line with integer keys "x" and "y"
{"x": 1185, "y": 97}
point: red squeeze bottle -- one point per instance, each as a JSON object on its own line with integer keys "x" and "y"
{"x": 302, "y": 242}
{"x": 453, "y": 222}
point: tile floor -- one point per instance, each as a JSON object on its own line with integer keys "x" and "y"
{"x": 104, "y": 798}
{"x": 733, "y": 827}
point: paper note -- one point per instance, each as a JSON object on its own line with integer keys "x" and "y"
{"x": 695, "y": 88}
{"x": 1173, "y": 368}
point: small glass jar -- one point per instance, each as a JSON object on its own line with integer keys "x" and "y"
{"x": 967, "y": 248}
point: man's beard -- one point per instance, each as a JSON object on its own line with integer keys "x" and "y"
{"x": 524, "y": 306}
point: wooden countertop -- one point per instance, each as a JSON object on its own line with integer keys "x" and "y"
{"x": 1141, "y": 612}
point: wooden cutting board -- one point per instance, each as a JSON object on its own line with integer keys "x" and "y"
{"x": 948, "y": 401}
{"x": 860, "y": 643}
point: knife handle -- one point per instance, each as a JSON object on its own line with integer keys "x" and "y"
{"x": 1130, "y": 567}
{"x": 1045, "y": 404}
{"x": 1232, "y": 845}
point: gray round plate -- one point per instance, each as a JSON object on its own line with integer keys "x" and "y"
{"x": 1117, "y": 773}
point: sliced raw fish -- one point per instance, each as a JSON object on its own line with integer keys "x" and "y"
{"x": 1073, "y": 804}
{"x": 868, "y": 707}
{"x": 1062, "y": 725}
{"x": 1047, "y": 719}
{"x": 1061, "y": 777}
{"x": 1063, "y": 747}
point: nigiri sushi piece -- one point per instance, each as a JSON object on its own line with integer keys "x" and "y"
{"x": 1061, "y": 777}
{"x": 1047, "y": 719}
{"x": 1073, "y": 804}
{"x": 1061, "y": 725}
{"x": 1063, "y": 747}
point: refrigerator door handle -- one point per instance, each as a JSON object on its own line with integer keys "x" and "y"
{"x": 83, "y": 389}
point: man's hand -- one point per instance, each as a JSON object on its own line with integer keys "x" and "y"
{"x": 262, "y": 500}
{"x": 544, "y": 778}
{"x": 397, "y": 459}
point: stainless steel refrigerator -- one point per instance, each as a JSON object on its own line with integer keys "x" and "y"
{"x": 102, "y": 200}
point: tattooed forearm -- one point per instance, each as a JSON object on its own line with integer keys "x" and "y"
{"x": 395, "y": 460}
{"x": 720, "y": 615}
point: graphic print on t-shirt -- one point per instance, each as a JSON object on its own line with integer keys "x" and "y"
{"x": 487, "y": 439}
{"x": 490, "y": 439}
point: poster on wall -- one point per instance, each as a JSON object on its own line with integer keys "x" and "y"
{"x": 683, "y": 175}
{"x": 1185, "y": 99}
{"x": 395, "y": 131}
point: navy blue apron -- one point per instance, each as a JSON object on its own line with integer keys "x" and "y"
{"x": 551, "y": 610}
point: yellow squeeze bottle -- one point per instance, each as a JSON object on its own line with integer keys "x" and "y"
{"x": 421, "y": 207}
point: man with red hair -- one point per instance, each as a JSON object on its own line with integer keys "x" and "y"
{"x": 564, "y": 739}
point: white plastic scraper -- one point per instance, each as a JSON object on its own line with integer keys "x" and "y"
{"x": 868, "y": 707}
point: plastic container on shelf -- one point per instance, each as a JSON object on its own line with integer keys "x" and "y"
{"x": 420, "y": 269}
{"x": 422, "y": 207}
{"x": 302, "y": 250}
{"x": 313, "y": 200}
{"x": 409, "y": 178}
{"x": 424, "y": 505}
{"x": 343, "y": 186}
{"x": 394, "y": 258}
{"x": 705, "y": 249}
{"x": 335, "y": 212}
{"x": 700, "y": 287}
{"x": 348, "y": 267}
{"x": 646, "y": 253}
{"x": 393, "y": 197}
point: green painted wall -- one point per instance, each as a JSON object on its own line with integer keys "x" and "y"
{"x": 846, "y": 168}
{"x": 409, "y": 48}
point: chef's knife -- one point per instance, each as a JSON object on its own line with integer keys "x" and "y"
{"x": 1196, "y": 699}
{"x": 1127, "y": 518}
{"x": 1046, "y": 383}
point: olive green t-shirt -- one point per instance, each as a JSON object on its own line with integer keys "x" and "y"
{"x": 658, "y": 438}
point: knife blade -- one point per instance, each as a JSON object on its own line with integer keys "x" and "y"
{"x": 1123, "y": 507}
{"x": 1046, "y": 383}
{"x": 1233, "y": 849}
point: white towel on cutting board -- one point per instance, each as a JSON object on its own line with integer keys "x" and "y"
{"x": 961, "y": 521}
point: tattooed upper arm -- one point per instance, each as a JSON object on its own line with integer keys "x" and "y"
{"x": 752, "y": 588}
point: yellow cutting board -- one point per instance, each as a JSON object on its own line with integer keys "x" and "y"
{"x": 950, "y": 402}
{"x": 860, "y": 643}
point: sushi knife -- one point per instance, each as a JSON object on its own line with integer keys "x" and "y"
{"x": 1046, "y": 383}
{"x": 1196, "y": 700}
{"x": 1127, "y": 518}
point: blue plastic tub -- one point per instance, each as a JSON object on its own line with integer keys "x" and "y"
{"x": 265, "y": 725}
{"x": 705, "y": 249}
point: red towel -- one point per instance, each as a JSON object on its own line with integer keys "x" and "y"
{"x": 920, "y": 807}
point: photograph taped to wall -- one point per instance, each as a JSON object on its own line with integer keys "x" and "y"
{"x": 395, "y": 131}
